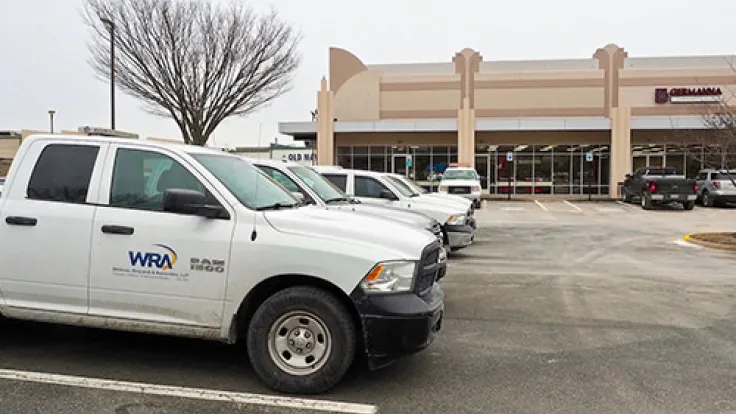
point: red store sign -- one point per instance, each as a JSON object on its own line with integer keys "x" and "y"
{"x": 688, "y": 95}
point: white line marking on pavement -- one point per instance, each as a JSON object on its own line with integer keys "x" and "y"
{"x": 194, "y": 393}
{"x": 537, "y": 202}
{"x": 513, "y": 208}
{"x": 609, "y": 210}
{"x": 686, "y": 244}
{"x": 573, "y": 206}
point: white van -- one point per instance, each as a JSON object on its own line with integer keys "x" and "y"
{"x": 184, "y": 240}
{"x": 375, "y": 188}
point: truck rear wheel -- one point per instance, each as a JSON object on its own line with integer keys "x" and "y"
{"x": 689, "y": 205}
{"x": 301, "y": 340}
{"x": 646, "y": 201}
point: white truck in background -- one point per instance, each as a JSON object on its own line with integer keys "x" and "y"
{"x": 188, "y": 241}
{"x": 375, "y": 188}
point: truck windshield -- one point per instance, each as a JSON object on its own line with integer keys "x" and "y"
{"x": 248, "y": 184}
{"x": 459, "y": 175}
{"x": 403, "y": 188}
{"x": 411, "y": 184}
{"x": 325, "y": 190}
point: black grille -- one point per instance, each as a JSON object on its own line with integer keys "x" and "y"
{"x": 427, "y": 270}
{"x": 459, "y": 190}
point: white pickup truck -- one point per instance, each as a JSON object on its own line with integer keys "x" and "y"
{"x": 183, "y": 240}
{"x": 318, "y": 191}
{"x": 376, "y": 188}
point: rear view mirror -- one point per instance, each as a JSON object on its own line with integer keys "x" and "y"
{"x": 628, "y": 175}
{"x": 388, "y": 195}
{"x": 185, "y": 201}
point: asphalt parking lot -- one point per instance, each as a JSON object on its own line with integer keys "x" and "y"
{"x": 564, "y": 307}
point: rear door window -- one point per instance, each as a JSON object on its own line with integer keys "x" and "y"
{"x": 340, "y": 180}
{"x": 63, "y": 173}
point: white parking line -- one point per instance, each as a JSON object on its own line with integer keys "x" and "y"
{"x": 513, "y": 208}
{"x": 573, "y": 206}
{"x": 194, "y": 393}
{"x": 537, "y": 202}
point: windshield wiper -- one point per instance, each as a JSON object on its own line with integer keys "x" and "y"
{"x": 336, "y": 199}
{"x": 276, "y": 206}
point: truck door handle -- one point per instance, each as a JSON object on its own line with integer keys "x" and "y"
{"x": 113, "y": 229}
{"x": 21, "y": 221}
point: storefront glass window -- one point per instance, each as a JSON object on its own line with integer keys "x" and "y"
{"x": 562, "y": 177}
{"x": 421, "y": 168}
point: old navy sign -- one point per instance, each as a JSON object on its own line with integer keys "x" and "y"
{"x": 301, "y": 157}
{"x": 688, "y": 95}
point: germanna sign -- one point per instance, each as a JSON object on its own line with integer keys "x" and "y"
{"x": 688, "y": 95}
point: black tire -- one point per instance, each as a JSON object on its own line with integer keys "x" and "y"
{"x": 626, "y": 196}
{"x": 707, "y": 200}
{"x": 689, "y": 205}
{"x": 646, "y": 201}
{"x": 341, "y": 337}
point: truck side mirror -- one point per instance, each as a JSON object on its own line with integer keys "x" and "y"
{"x": 628, "y": 175}
{"x": 299, "y": 196}
{"x": 388, "y": 195}
{"x": 185, "y": 201}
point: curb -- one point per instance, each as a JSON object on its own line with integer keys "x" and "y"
{"x": 719, "y": 246}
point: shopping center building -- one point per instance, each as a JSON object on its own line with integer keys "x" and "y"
{"x": 570, "y": 126}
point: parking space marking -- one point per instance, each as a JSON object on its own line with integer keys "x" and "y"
{"x": 193, "y": 393}
{"x": 539, "y": 203}
{"x": 580, "y": 210}
{"x": 513, "y": 208}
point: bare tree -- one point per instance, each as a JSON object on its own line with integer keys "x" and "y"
{"x": 193, "y": 61}
{"x": 714, "y": 146}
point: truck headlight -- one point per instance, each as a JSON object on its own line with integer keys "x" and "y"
{"x": 442, "y": 188}
{"x": 389, "y": 277}
{"x": 456, "y": 220}
{"x": 475, "y": 188}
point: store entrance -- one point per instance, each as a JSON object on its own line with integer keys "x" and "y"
{"x": 543, "y": 169}
{"x": 399, "y": 164}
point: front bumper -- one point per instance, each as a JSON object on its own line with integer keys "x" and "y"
{"x": 396, "y": 325}
{"x": 459, "y": 236}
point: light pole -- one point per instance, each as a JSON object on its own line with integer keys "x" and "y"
{"x": 111, "y": 27}
{"x": 51, "y": 119}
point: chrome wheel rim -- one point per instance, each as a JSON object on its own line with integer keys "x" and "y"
{"x": 299, "y": 343}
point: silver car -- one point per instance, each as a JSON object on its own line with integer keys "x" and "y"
{"x": 716, "y": 187}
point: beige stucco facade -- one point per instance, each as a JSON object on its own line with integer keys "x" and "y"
{"x": 606, "y": 98}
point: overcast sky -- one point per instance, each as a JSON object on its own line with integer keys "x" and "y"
{"x": 43, "y": 45}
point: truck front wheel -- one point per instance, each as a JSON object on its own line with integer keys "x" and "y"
{"x": 301, "y": 340}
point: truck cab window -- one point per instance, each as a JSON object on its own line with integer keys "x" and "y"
{"x": 368, "y": 187}
{"x": 63, "y": 173}
{"x": 340, "y": 180}
{"x": 281, "y": 179}
{"x": 140, "y": 178}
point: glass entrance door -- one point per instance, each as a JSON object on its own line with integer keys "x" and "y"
{"x": 484, "y": 171}
{"x": 399, "y": 164}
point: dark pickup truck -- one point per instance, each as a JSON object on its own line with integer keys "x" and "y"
{"x": 659, "y": 185}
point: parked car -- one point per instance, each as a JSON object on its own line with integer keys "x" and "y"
{"x": 441, "y": 199}
{"x": 319, "y": 191}
{"x": 659, "y": 186}
{"x": 716, "y": 187}
{"x": 374, "y": 188}
{"x": 184, "y": 240}
{"x": 463, "y": 181}
{"x": 466, "y": 203}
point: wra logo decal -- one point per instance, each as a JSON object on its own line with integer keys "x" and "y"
{"x": 162, "y": 257}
